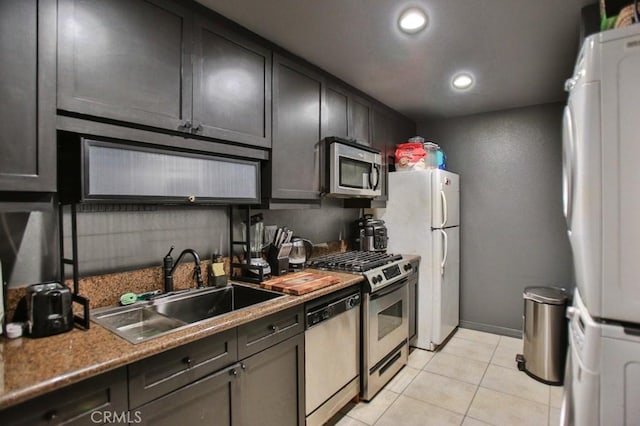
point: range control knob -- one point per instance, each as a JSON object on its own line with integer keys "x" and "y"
{"x": 374, "y": 280}
{"x": 379, "y": 278}
{"x": 407, "y": 267}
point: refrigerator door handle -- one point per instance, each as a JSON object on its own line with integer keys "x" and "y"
{"x": 443, "y": 196}
{"x": 445, "y": 250}
{"x": 568, "y": 167}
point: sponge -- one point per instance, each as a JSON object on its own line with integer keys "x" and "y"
{"x": 128, "y": 299}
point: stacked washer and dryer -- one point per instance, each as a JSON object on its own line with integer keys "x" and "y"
{"x": 601, "y": 188}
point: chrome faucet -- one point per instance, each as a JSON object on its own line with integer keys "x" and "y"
{"x": 169, "y": 267}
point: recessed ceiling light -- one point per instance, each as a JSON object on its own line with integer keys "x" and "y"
{"x": 412, "y": 20}
{"x": 462, "y": 81}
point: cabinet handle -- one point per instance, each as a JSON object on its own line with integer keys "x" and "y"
{"x": 197, "y": 128}
{"x": 51, "y": 415}
{"x": 243, "y": 366}
{"x": 273, "y": 328}
{"x": 187, "y": 361}
{"x": 186, "y": 125}
{"x": 233, "y": 372}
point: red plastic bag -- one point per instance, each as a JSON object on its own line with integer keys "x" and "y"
{"x": 410, "y": 156}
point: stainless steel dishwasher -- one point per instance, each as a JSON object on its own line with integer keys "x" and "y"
{"x": 332, "y": 354}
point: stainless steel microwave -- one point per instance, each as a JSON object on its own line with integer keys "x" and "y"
{"x": 351, "y": 170}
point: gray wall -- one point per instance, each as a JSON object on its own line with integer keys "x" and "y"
{"x": 28, "y": 245}
{"x": 329, "y": 223}
{"x": 513, "y": 232}
{"x": 115, "y": 238}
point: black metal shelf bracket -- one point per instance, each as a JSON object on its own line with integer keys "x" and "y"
{"x": 84, "y": 321}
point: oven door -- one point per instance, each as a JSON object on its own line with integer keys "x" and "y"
{"x": 354, "y": 171}
{"x": 388, "y": 320}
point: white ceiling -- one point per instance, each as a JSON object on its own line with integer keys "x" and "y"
{"x": 520, "y": 51}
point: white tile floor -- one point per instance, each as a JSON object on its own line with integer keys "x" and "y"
{"x": 472, "y": 381}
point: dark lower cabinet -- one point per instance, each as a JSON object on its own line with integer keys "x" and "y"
{"x": 199, "y": 383}
{"x": 264, "y": 389}
{"x": 162, "y": 374}
{"x": 293, "y": 172}
{"x": 27, "y": 95}
{"x": 127, "y": 60}
{"x": 213, "y": 400}
{"x": 272, "y": 385}
{"x": 99, "y": 400}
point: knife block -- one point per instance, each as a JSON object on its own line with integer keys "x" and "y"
{"x": 278, "y": 262}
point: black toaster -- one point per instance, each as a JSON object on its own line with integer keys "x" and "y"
{"x": 49, "y": 309}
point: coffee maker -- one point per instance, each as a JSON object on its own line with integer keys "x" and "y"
{"x": 369, "y": 234}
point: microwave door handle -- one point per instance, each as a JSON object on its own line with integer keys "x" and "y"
{"x": 377, "y": 168}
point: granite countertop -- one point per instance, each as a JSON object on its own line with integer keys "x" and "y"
{"x": 32, "y": 367}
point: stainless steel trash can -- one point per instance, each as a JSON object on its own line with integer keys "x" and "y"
{"x": 545, "y": 334}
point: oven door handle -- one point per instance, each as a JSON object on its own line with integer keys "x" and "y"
{"x": 389, "y": 289}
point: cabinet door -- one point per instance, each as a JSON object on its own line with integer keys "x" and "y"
{"x": 232, "y": 86}
{"x": 383, "y": 140}
{"x": 126, "y": 60}
{"x": 337, "y": 112}
{"x": 297, "y": 100}
{"x": 27, "y": 95}
{"x": 209, "y": 401}
{"x": 360, "y": 124}
{"x": 272, "y": 385}
{"x": 92, "y": 401}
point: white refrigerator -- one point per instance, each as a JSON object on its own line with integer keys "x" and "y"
{"x": 423, "y": 218}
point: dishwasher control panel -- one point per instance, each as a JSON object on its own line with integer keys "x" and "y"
{"x": 332, "y": 309}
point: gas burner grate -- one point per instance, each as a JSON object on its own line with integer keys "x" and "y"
{"x": 353, "y": 261}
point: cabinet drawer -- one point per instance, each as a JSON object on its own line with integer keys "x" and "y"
{"x": 265, "y": 332}
{"x": 163, "y": 373}
{"x": 85, "y": 403}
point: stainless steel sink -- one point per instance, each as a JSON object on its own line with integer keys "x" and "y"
{"x": 191, "y": 309}
{"x": 145, "y": 320}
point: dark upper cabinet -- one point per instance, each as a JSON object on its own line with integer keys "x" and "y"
{"x": 27, "y": 95}
{"x": 348, "y": 115}
{"x": 360, "y": 120}
{"x": 297, "y": 131}
{"x": 128, "y": 60}
{"x": 337, "y": 107}
{"x": 232, "y": 85}
{"x": 383, "y": 141}
{"x": 163, "y": 64}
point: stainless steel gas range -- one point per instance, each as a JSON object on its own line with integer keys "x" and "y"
{"x": 385, "y": 311}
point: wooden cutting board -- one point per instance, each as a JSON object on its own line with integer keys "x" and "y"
{"x": 299, "y": 283}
